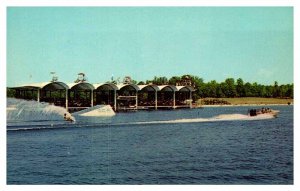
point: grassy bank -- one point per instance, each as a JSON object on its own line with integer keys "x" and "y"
{"x": 245, "y": 101}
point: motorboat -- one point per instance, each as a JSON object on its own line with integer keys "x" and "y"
{"x": 262, "y": 111}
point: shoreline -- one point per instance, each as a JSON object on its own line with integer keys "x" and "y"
{"x": 243, "y": 105}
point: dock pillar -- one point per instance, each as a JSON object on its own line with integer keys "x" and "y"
{"x": 155, "y": 99}
{"x": 38, "y": 95}
{"x": 92, "y": 98}
{"x": 67, "y": 100}
{"x": 115, "y": 100}
{"x": 136, "y": 100}
{"x": 174, "y": 103}
{"x": 191, "y": 100}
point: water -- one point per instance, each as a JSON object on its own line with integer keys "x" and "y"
{"x": 127, "y": 149}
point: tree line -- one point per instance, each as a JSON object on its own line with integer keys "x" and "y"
{"x": 228, "y": 88}
{"x": 213, "y": 89}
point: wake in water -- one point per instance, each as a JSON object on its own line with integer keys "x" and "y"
{"x": 46, "y": 116}
{"x": 23, "y": 110}
{"x": 223, "y": 117}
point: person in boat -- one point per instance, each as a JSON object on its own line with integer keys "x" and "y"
{"x": 252, "y": 112}
{"x": 266, "y": 110}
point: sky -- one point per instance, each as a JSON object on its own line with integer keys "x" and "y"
{"x": 214, "y": 43}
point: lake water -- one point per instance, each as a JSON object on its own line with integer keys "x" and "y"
{"x": 127, "y": 149}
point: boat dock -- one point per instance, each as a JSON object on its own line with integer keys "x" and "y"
{"x": 122, "y": 97}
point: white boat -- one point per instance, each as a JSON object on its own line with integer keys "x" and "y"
{"x": 97, "y": 111}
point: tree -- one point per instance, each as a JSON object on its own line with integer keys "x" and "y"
{"x": 160, "y": 80}
{"x": 229, "y": 88}
{"x": 133, "y": 81}
{"x": 290, "y": 91}
{"x": 149, "y": 82}
{"x": 269, "y": 91}
{"x": 220, "y": 88}
{"x": 211, "y": 89}
{"x": 248, "y": 90}
{"x": 10, "y": 92}
{"x": 205, "y": 90}
{"x": 141, "y": 83}
{"x": 173, "y": 80}
{"x": 240, "y": 90}
{"x": 254, "y": 90}
{"x": 276, "y": 89}
{"x": 199, "y": 86}
{"x": 262, "y": 91}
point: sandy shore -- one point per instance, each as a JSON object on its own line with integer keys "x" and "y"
{"x": 237, "y": 105}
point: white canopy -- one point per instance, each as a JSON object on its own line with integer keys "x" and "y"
{"x": 185, "y": 88}
{"x": 149, "y": 87}
{"x": 120, "y": 86}
{"x": 45, "y": 85}
{"x": 81, "y": 86}
{"x": 102, "y": 85}
{"x": 168, "y": 88}
{"x": 110, "y": 86}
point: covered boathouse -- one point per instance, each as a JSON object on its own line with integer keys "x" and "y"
{"x": 122, "y": 97}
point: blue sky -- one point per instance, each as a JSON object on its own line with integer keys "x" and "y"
{"x": 254, "y": 43}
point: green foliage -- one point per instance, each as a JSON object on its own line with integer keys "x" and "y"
{"x": 220, "y": 93}
{"x": 240, "y": 87}
{"x": 198, "y": 85}
{"x": 10, "y": 92}
{"x": 229, "y": 88}
{"x": 133, "y": 82}
{"x": 173, "y": 80}
{"x": 160, "y": 80}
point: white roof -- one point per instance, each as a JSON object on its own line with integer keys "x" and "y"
{"x": 120, "y": 86}
{"x": 56, "y": 85}
{"x": 190, "y": 88}
{"x": 170, "y": 86}
{"x": 155, "y": 87}
{"x": 88, "y": 86}
{"x": 113, "y": 86}
{"x": 36, "y": 85}
{"x": 81, "y": 85}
